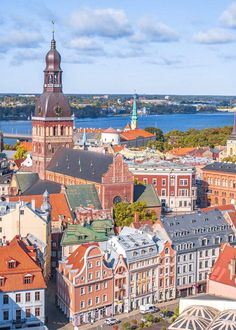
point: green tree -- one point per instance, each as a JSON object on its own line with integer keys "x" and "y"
{"x": 20, "y": 152}
{"x": 126, "y": 325}
{"x": 157, "y": 131}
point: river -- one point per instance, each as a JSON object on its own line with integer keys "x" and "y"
{"x": 164, "y": 122}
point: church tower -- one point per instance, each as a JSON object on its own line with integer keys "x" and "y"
{"x": 134, "y": 118}
{"x": 231, "y": 142}
{"x": 52, "y": 124}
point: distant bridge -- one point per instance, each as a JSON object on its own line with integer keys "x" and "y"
{"x": 17, "y": 136}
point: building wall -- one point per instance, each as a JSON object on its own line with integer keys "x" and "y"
{"x": 121, "y": 287}
{"x": 219, "y": 188}
{"x": 219, "y": 289}
{"x": 176, "y": 191}
{"x": 47, "y": 137}
{"x": 23, "y": 221}
{"x": 74, "y": 302}
{"x": 12, "y": 306}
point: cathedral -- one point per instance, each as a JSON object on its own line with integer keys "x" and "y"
{"x": 52, "y": 124}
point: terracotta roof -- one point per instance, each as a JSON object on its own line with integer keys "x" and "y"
{"x": 118, "y": 148}
{"x": 139, "y": 224}
{"x": 135, "y": 134}
{"x": 58, "y": 202}
{"x": 232, "y": 216}
{"x": 181, "y": 151}
{"x": 222, "y": 271}
{"x": 110, "y": 130}
{"x": 76, "y": 259}
{"x": 26, "y": 145}
{"x": 19, "y": 161}
{"x": 228, "y": 207}
{"x": 14, "y": 277}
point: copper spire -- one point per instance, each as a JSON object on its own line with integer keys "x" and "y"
{"x": 234, "y": 127}
{"x": 53, "y": 42}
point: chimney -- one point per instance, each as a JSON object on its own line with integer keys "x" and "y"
{"x": 33, "y": 204}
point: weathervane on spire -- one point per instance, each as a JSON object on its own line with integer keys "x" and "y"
{"x": 53, "y": 29}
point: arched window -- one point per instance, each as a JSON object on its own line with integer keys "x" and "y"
{"x": 216, "y": 201}
{"x": 223, "y": 201}
{"x": 54, "y": 131}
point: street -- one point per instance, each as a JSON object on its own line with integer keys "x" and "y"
{"x": 57, "y": 320}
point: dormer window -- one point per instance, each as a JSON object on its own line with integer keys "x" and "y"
{"x": 28, "y": 279}
{"x": 204, "y": 241}
{"x": 12, "y": 264}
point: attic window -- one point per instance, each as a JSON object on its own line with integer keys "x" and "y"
{"x": 28, "y": 279}
{"x": 11, "y": 264}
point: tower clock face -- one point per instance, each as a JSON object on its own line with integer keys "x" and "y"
{"x": 58, "y": 110}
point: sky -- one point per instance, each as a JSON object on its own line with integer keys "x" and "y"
{"x": 110, "y": 46}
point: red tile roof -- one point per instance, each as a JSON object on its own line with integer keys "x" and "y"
{"x": 181, "y": 151}
{"x": 221, "y": 271}
{"x": 18, "y": 162}
{"x": 134, "y": 134}
{"x": 118, "y": 148}
{"x": 58, "y": 203}
{"x": 76, "y": 259}
{"x": 110, "y": 130}
{"x": 228, "y": 207}
{"x": 232, "y": 216}
{"x": 14, "y": 277}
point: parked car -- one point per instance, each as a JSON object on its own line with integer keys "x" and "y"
{"x": 167, "y": 314}
{"x": 112, "y": 321}
{"x": 148, "y": 308}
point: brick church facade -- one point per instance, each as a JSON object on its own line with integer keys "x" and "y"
{"x": 52, "y": 124}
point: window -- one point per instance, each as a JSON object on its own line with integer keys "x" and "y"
{"x": 82, "y": 291}
{"x": 163, "y": 182}
{"x": 104, "y": 298}
{"x": 172, "y": 181}
{"x": 145, "y": 181}
{"x": 27, "y": 312}
{"x": 217, "y": 240}
{"x": 90, "y": 288}
{"x": 5, "y": 299}
{"x": 90, "y": 276}
{"x": 206, "y": 253}
{"x": 27, "y": 296}
{"x": 1, "y": 281}
{"x": 105, "y": 285}
{"x": 90, "y": 302}
{"x": 183, "y": 182}
{"x": 90, "y": 265}
{"x": 27, "y": 279}
{"x": 204, "y": 241}
{"x": 97, "y": 300}
{"x": 22, "y": 212}
{"x": 184, "y": 280}
{"x": 37, "y": 311}
{"x": 18, "y": 297}
{"x": 200, "y": 264}
{"x": 82, "y": 304}
{"x": 98, "y": 274}
{"x": 18, "y": 314}
{"x": 190, "y": 256}
{"x": 190, "y": 268}
{"x": 206, "y": 263}
{"x": 200, "y": 276}
{"x": 11, "y": 264}
{"x": 163, "y": 192}
{"x": 97, "y": 287}
{"x": 154, "y": 182}
{"x": 37, "y": 295}
{"x": 183, "y": 192}
{"x": 213, "y": 252}
{"x": 98, "y": 263}
{"x": 5, "y": 315}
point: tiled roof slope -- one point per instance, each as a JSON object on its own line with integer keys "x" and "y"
{"x": 14, "y": 277}
{"x": 135, "y": 134}
{"x": 221, "y": 167}
{"x": 82, "y": 195}
{"x": 58, "y": 203}
{"x": 39, "y": 187}
{"x": 146, "y": 194}
{"x": 221, "y": 271}
{"x": 83, "y": 164}
{"x": 25, "y": 180}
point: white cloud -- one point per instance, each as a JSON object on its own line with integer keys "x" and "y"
{"x": 84, "y": 43}
{"x": 20, "y": 39}
{"x": 27, "y": 55}
{"x": 154, "y": 31}
{"x": 214, "y": 36}
{"x": 228, "y": 17}
{"x": 106, "y": 22}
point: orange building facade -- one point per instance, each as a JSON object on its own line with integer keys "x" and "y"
{"x": 219, "y": 184}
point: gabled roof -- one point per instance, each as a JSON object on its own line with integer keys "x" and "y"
{"x": 221, "y": 167}
{"x": 25, "y": 180}
{"x": 39, "y": 187}
{"x": 181, "y": 151}
{"x": 58, "y": 203}
{"x": 83, "y": 164}
{"x": 135, "y": 134}
{"x": 221, "y": 271}
{"x": 14, "y": 277}
{"x": 82, "y": 195}
{"x": 146, "y": 194}
{"x": 110, "y": 130}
